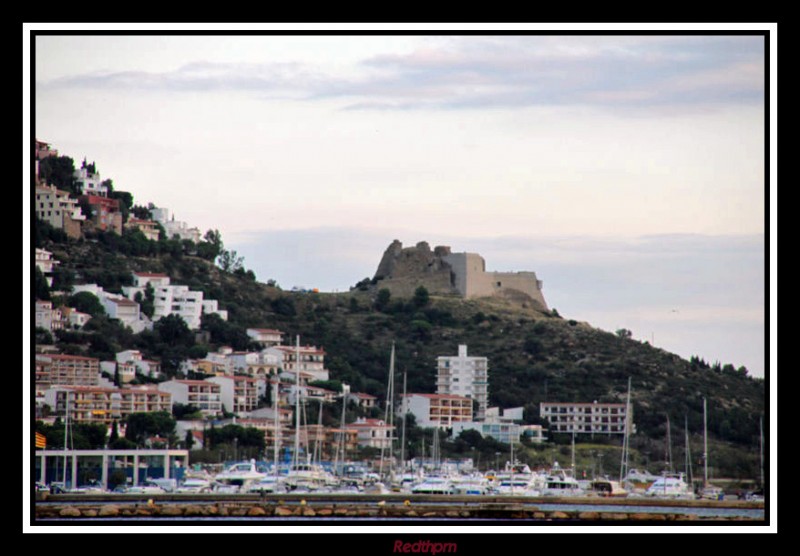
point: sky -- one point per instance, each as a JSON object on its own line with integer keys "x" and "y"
{"x": 628, "y": 170}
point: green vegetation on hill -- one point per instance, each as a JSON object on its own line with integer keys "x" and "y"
{"x": 533, "y": 356}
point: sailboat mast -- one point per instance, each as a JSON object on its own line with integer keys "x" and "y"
{"x": 403, "y": 436}
{"x": 669, "y": 447}
{"x": 705, "y": 444}
{"x": 297, "y": 402}
{"x": 275, "y": 408}
{"x": 388, "y": 410}
{"x": 623, "y": 467}
{"x": 66, "y": 436}
{"x": 688, "y": 450}
{"x": 761, "y": 438}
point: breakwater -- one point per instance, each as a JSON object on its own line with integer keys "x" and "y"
{"x": 392, "y": 507}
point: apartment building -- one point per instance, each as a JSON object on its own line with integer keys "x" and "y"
{"x": 464, "y": 375}
{"x": 204, "y": 395}
{"x": 71, "y": 370}
{"x": 373, "y": 433}
{"x": 239, "y": 394}
{"x": 593, "y": 418}
{"x": 437, "y": 410}
{"x": 58, "y": 209}
{"x": 311, "y": 360}
{"x": 94, "y": 404}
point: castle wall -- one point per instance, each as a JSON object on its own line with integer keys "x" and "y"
{"x": 472, "y": 280}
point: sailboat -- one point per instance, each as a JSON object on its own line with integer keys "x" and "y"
{"x": 708, "y": 492}
{"x": 670, "y": 484}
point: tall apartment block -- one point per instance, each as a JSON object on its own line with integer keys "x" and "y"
{"x": 462, "y": 375}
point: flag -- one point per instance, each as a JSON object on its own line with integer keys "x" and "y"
{"x": 41, "y": 441}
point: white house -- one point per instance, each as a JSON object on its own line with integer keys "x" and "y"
{"x": 172, "y": 227}
{"x": 117, "y": 307}
{"x": 266, "y": 336}
{"x": 312, "y": 360}
{"x": 89, "y": 183}
{"x": 143, "y": 366}
{"x": 373, "y": 433}
{"x": 46, "y": 264}
{"x": 172, "y": 299}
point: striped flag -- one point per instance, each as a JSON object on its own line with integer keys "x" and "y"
{"x": 41, "y": 441}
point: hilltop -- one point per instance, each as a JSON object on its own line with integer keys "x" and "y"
{"x": 534, "y": 354}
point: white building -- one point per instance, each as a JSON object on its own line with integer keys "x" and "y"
{"x": 312, "y": 360}
{"x": 172, "y": 299}
{"x": 117, "y": 307}
{"x": 593, "y": 418}
{"x": 373, "y": 433}
{"x": 90, "y": 184}
{"x": 265, "y": 336}
{"x": 46, "y": 264}
{"x": 172, "y": 227}
{"x": 46, "y": 317}
{"x": 466, "y": 376}
{"x": 501, "y": 427}
{"x": 143, "y": 366}
{"x": 202, "y": 394}
{"x": 239, "y": 394}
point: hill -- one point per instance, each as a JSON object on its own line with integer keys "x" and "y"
{"x": 534, "y": 355}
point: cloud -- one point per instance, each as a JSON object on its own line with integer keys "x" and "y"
{"x": 614, "y": 72}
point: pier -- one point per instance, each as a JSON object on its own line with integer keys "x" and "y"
{"x": 393, "y": 507}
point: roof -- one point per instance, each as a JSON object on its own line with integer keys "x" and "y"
{"x": 440, "y": 396}
{"x": 150, "y": 275}
{"x": 265, "y": 330}
{"x": 64, "y": 357}
{"x": 121, "y": 301}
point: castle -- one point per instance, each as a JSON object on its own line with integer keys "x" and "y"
{"x": 443, "y": 272}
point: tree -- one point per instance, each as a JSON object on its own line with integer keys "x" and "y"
{"x": 173, "y": 331}
{"x": 211, "y": 247}
{"x": 230, "y": 261}
{"x": 421, "y": 297}
{"x": 41, "y": 289}
{"x": 87, "y": 302}
{"x": 141, "y": 426}
{"x": 383, "y": 298}
{"x": 188, "y": 440}
{"x": 624, "y": 333}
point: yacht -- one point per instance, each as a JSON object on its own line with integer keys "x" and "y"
{"x": 670, "y": 485}
{"x": 560, "y": 482}
{"x": 238, "y": 477}
{"x": 434, "y": 485}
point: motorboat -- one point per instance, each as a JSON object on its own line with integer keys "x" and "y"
{"x": 194, "y": 485}
{"x": 238, "y": 477}
{"x": 471, "y": 484}
{"x": 308, "y": 476}
{"x": 434, "y": 485}
{"x": 670, "y": 485}
{"x": 607, "y": 487}
{"x": 559, "y": 482}
{"x": 266, "y": 485}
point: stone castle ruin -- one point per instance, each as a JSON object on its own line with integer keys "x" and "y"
{"x": 443, "y": 272}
